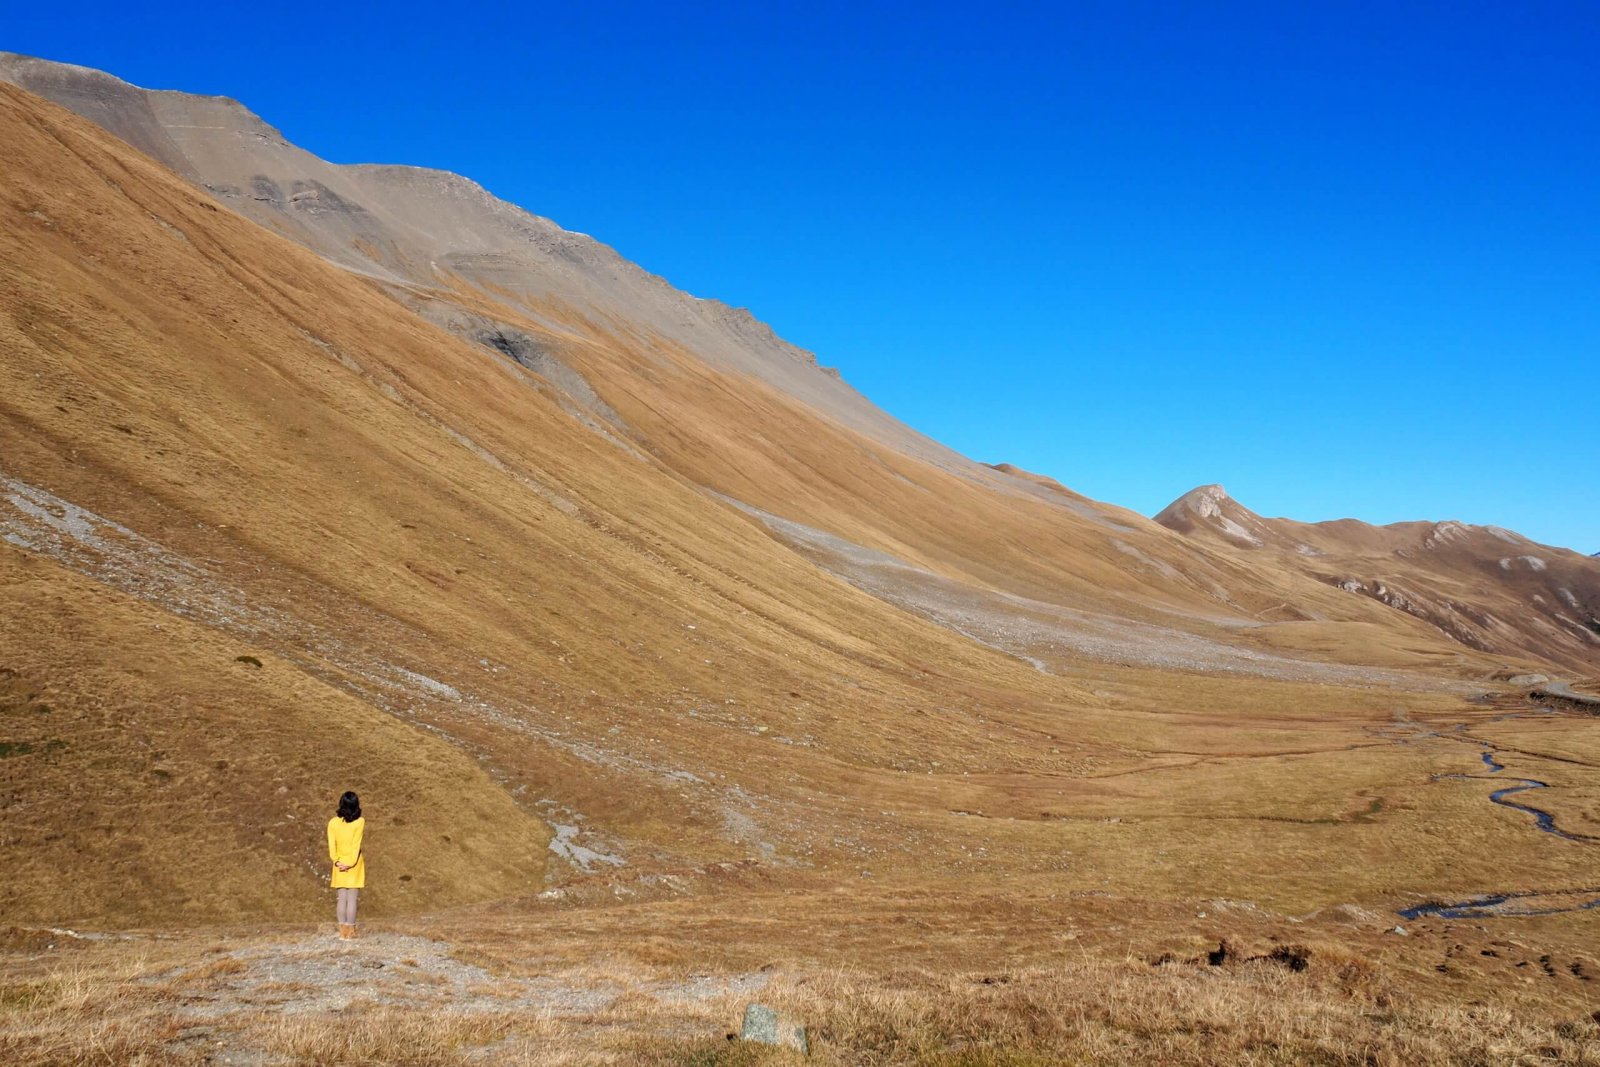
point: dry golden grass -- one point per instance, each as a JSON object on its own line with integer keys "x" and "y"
{"x": 1340, "y": 1008}
{"x": 1124, "y": 1013}
{"x": 256, "y": 756}
{"x": 413, "y": 1039}
{"x": 85, "y": 1014}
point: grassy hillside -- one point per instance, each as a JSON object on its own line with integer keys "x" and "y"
{"x": 154, "y": 769}
{"x": 216, "y": 422}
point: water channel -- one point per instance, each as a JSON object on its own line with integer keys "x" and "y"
{"x": 1505, "y": 905}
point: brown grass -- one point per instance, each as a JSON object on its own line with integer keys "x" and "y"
{"x": 1124, "y": 1013}
{"x": 402, "y": 1038}
{"x": 100, "y": 1014}
{"x": 1341, "y": 1010}
{"x": 612, "y": 627}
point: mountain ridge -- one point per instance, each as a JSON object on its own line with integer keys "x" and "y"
{"x": 606, "y": 337}
{"x": 68, "y": 82}
{"x": 1417, "y": 567}
{"x": 364, "y": 217}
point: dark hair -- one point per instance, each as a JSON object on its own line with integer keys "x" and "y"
{"x": 349, "y": 807}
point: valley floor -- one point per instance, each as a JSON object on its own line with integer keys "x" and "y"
{"x": 892, "y": 973}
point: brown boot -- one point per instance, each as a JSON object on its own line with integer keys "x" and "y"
{"x": 353, "y": 932}
{"x": 344, "y": 932}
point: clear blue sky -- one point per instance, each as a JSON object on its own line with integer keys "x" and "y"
{"x": 1342, "y": 257}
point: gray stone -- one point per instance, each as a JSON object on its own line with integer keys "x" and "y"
{"x": 1528, "y": 679}
{"x": 768, "y": 1026}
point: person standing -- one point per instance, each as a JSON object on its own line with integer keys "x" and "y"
{"x": 345, "y": 832}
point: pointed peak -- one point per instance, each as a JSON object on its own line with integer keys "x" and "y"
{"x": 1214, "y": 492}
{"x": 1203, "y": 501}
{"x": 1210, "y": 507}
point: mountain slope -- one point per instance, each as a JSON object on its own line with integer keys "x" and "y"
{"x": 428, "y": 228}
{"x": 1483, "y": 586}
{"x": 713, "y": 395}
{"x": 666, "y": 686}
{"x": 605, "y": 621}
{"x": 284, "y": 453}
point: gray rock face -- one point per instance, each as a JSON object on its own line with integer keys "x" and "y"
{"x": 1522, "y": 680}
{"x": 538, "y": 355}
{"x": 768, "y": 1026}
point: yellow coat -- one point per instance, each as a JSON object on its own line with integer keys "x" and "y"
{"x": 344, "y": 846}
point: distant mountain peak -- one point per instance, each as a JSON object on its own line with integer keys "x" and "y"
{"x": 1210, "y": 507}
{"x": 1205, "y": 499}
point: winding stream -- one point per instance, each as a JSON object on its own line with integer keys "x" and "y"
{"x": 1542, "y": 819}
{"x": 1495, "y": 905}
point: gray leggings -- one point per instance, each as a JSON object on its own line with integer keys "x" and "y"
{"x": 346, "y": 906}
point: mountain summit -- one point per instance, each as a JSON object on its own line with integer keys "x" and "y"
{"x": 1209, "y": 508}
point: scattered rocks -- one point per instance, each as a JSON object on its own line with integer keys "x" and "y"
{"x": 1563, "y": 691}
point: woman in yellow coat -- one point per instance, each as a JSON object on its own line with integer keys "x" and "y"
{"x": 345, "y": 831}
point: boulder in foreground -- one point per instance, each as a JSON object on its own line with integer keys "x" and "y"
{"x": 770, "y": 1027}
